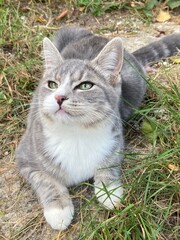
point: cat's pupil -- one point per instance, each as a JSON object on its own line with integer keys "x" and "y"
{"x": 85, "y": 86}
{"x": 52, "y": 85}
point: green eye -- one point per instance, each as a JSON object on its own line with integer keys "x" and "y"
{"x": 85, "y": 85}
{"x": 52, "y": 85}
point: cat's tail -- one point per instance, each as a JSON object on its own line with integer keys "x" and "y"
{"x": 67, "y": 35}
{"x": 165, "y": 47}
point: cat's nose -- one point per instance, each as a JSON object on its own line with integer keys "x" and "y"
{"x": 60, "y": 99}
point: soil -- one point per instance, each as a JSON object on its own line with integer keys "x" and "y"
{"x": 21, "y": 215}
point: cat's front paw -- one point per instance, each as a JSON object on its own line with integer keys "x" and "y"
{"x": 59, "y": 218}
{"x": 109, "y": 196}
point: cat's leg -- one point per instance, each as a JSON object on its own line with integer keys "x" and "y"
{"x": 58, "y": 207}
{"x": 108, "y": 187}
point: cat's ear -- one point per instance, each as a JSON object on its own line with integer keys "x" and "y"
{"x": 51, "y": 55}
{"x": 110, "y": 60}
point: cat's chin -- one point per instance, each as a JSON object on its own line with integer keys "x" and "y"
{"x": 61, "y": 111}
{"x": 62, "y": 116}
{"x": 65, "y": 117}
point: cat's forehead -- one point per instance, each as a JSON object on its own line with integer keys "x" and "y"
{"x": 73, "y": 70}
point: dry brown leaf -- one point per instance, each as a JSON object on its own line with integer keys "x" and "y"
{"x": 173, "y": 167}
{"x": 81, "y": 9}
{"x": 3, "y": 170}
{"x": 175, "y": 60}
{"x": 1, "y": 77}
{"x": 62, "y": 15}
{"x": 41, "y": 20}
{"x": 163, "y": 16}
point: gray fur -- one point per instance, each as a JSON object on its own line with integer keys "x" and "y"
{"x": 166, "y": 47}
{"x": 113, "y": 100}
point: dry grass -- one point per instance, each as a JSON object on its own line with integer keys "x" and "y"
{"x": 150, "y": 207}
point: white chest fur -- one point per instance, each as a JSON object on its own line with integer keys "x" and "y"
{"x": 79, "y": 151}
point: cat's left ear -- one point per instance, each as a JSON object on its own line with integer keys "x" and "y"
{"x": 110, "y": 60}
{"x": 52, "y": 56}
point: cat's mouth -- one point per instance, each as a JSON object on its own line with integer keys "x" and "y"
{"x": 62, "y": 111}
{"x": 65, "y": 112}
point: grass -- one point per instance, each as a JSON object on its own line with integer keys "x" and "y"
{"x": 144, "y": 8}
{"x": 150, "y": 207}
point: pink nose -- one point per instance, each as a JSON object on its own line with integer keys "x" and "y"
{"x": 60, "y": 99}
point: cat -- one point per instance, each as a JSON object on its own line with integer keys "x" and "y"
{"x": 90, "y": 86}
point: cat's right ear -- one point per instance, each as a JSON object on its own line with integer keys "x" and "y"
{"x": 51, "y": 55}
{"x": 110, "y": 60}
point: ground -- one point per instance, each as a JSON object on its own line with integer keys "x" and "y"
{"x": 150, "y": 209}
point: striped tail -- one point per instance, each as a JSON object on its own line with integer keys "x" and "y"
{"x": 165, "y": 47}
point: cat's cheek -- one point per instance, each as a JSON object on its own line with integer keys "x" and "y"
{"x": 109, "y": 197}
{"x": 50, "y": 106}
{"x": 58, "y": 218}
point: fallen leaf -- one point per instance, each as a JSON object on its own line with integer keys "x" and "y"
{"x": 62, "y": 15}
{"x": 175, "y": 59}
{"x": 41, "y": 20}
{"x": 132, "y": 4}
{"x": 149, "y": 129}
{"x": 163, "y": 16}
{"x": 1, "y": 78}
{"x": 173, "y": 167}
{"x": 3, "y": 170}
{"x": 81, "y": 9}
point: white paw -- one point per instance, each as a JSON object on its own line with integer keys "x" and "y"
{"x": 110, "y": 196}
{"x": 59, "y": 218}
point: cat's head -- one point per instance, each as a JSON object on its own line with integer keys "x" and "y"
{"x": 78, "y": 91}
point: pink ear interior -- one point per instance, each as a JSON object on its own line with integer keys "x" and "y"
{"x": 110, "y": 60}
{"x": 51, "y": 55}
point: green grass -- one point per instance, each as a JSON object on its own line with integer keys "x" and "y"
{"x": 150, "y": 207}
{"x": 144, "y": 8}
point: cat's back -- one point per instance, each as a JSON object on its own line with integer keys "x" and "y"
{"x": 68, "y": 35}
{"x": 78, "y": 43}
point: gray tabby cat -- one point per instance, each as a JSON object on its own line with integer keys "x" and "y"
{"x": 74, "y": 131}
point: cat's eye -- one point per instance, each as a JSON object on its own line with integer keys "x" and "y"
{"x": 85, "y": 86}
{"x": 52, "y": 85}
